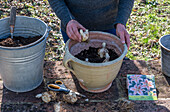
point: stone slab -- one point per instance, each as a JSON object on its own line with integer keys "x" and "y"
{"x": 138, "y": 106}
{"x": 10, "y": 97}
{"x": 162, "y": 82}
{"x": 27, "y": 107}
{"x": 111, "y": 94}
{"x": 89, "y": 107}
{"x": 155, "y": 67}
{"x": 152, "y": 67}
{"x": 133, "y": 67}
{"x": 100, "y": 102}
{"x": 55, "y": 70}
{"x": 152, "y": 106}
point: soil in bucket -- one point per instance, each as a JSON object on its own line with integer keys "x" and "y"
{"x": 93, "y": 57}
{"x": 18, "y": 41}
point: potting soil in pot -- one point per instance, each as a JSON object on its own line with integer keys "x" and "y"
{"x": 93, "y": 57}
{"x": 18, "y": 41}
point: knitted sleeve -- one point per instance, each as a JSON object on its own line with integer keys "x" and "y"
{"x": 61, "y": 10}
{"x": 124, "y": 10}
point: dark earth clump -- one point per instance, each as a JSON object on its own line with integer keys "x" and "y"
{"x": 93, "y": 57}
{"x": 18, "y": 41}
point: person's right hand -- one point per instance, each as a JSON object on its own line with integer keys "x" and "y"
{"x": 123, "y": 34}
{"x": 72, "y": 30}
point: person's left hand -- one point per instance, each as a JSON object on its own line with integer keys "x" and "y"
{"x": 123, "y": 34}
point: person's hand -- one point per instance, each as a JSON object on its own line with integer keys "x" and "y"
{"x": 72, "y": 30}
{"x": 123, "y": 34}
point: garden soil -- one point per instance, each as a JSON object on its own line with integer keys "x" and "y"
{"x": 18, "y": 41}
{"x": 93, "y": 57}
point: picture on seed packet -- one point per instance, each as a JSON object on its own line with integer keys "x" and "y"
{"x": 141, "y": 87}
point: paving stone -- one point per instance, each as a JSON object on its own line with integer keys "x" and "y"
{"x": 55, "y": 70}
{"x": 26, "y": 97}
{"x": 134, "y": 67}
{"x": 100, "y": 102}
{"x": 163, "y": 88}
{"x": 88, "y": 107}
{"x": 50, "y": 108}
{"x": 27, "y": 107}
{"x": 141, "y": 67}
{"x": 152, "y": 106}
{"x": 57, "y": 106}
{"x": 73, "y": 84}
{"x": 122, "y": 87}
{"x": 111, "y": 93}
{"x": 70, "y": 84}
{"x": 162, "y": 81}
{"x": 155, "y": 67}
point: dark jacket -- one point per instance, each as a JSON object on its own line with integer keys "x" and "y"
{"x": 93, "y": 14}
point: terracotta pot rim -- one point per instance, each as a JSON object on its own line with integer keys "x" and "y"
{"x": 76, "y": 60}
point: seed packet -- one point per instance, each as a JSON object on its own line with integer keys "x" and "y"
{"x": 141, "y": 87}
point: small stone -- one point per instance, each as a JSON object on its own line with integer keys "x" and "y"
{"x": 70, "y": 98}
{"x": 87, "y": 100}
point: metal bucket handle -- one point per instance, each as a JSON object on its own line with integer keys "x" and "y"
{"x": 48, "y": 30}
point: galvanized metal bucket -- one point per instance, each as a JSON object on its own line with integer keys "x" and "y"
{"x": 21, "y": 68}
{"x": 165, "y": 54}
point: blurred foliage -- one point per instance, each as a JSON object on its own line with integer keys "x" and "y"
{"x": 39, "y": 9}
{"x": 149, "y": 21}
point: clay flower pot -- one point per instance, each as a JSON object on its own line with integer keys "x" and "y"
{"x": 94, "y": 77}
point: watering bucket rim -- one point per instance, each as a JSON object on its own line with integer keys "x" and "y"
{"x": 31, "y": 44}
{"x": 162, "y": 44}
{"x": 98, "y": 64}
